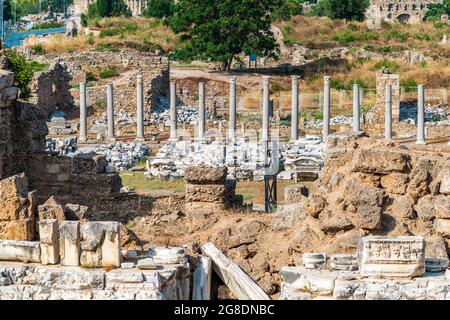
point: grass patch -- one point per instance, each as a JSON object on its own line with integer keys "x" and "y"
{"x": 108, "y": 73}
{"x": 137, "y": 181}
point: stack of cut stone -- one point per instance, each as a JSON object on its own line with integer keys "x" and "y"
{"x": 207, "y": 187}
{"x": 17, "y": 207}
{"x": 58, "y": 124}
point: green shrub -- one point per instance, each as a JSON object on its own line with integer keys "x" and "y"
{"x": 90, "y": 39}
{"x": 385, "y": 63}
{"x": 90, "y": 76}
{"x": 422, "y": 36}
{"x": 276, "y": 87}
{"x": 108, "y": 73}
{"x": 409, "y": 85}
{"x": 397, "y": 35}
{"x": 38, "y": 49}
{"x": 23, "y": 72}
{"x": 38, "y": 67}
{"x": 344, "y": 37}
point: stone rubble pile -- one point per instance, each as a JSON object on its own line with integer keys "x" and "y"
{"x": 334, "y": 121}
{"x": 245, "y": 160}
{"x": 58, "y": 124}
{"x": 391, "y": 268}
{"x": 434, "y": 115}
{"x": 161, "y": 113}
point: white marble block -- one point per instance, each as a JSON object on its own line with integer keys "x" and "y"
{"x": 23, "y": 251}
{"x": 69, "y": 243}
{"x": 49, "y": 241}
{"x": 387, "y": 257}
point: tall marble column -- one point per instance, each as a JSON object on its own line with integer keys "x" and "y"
{"x": 420, "y": 114}
{"x": 110, "y": 111}
{"x": 294, "y": 111}
{"x": 140, "y": 107}
{"x": 356, "y": 108}
{"x": 266, "y": 106}
{"x": 201, "y": 111}
{"x": 83, "y": 113}
{"x": 173, "y": 112}
{"x": 232, "y": 113}
{"x": 388, "y": 113}
{"x": 326, "y": 108}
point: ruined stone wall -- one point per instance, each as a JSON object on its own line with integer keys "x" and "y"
{"x": 8, "y": 95}
{"x": 383, "y": 78}
{"x": 155, "y": 70}
{"x": 412, "y": 11}
{"x": 51, "y": 89}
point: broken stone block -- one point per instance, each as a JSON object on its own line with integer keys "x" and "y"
{"x": 403, "y": 207}
{"x": 442, "y": 227}
{"x": 344, "y": 261}
{"x": 210, "y": 192}
{"x": 445, "y": 183}
{"x": 49, "y": 241}
{"x": 395, "y": 183}
{"x": 442, "y": 207}
{"x": 425, "y": 208}
{"x": 296, "y": 193}
{"x": 14, "y": 199}
{"x": 314, "y": 260}
{"x": 17, "y": 230}
{"x": 173, "y": 255}
{"x": 69, "y": 243}
{"x": 75, "y": 211}
{"x": 100, "y": 244}
{"x": 379, "y": 161}
{"x": 205, "y": 175}
{"x": 51, "y": 209}
{"x": 386, "y": 257}
{"x": 436, "y": 264}
{"x": 146, "y": 264}
{"x": 23, "y": 251}
{"x": 368, "y": 217}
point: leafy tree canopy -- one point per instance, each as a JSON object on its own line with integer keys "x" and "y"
{"x": 108, "y": 8}
{"x": 435, "y": 11}
{"x": 342, "y": 9}
{"x": 218, "y": 30}
{"x": 159, "y": 8}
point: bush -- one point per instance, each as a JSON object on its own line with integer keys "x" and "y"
{"x": 276, "y": 87}
{"x": 38, "y": 49}
{"x": 108, "y": 73}
{"x": 90, "y": 76}
{"x": 385, "y": 63}
{"x": 409, "y": 85}
{"x": 397, "y": 35}
{"x": 23, "y": 72}
{"x": 38, "y": 67}
{"x": 345, "y": 37}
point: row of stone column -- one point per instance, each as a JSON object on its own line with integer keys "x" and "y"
{"x": 232, "y": 110}
{"x": 83, "y": 132}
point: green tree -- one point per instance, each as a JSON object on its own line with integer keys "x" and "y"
{"x": 342, "y": 9}
{"x": 7, "y": 10}
{"x": 159, "y": 8}
{"x": 436, "y": 10}
{"x": 23, "y": 72}
{"x": 220, "y": 30}
{"x": 288, "y": 9}
{"x": 107, "y": 8}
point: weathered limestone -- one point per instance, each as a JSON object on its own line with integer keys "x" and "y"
{"x": 421, "y": 114}
{"x": 388, "y": 113}
{"x": 314, "y": 260}
{"x": 201, "y": 111}
{"x": 69, "y": 243}
{"x": 242, "y": 286}
{"x": 379, "y": 161}
{"x": 232, "y": 113}
{"x": 140, "y": 107}
{"x": 391, "y": 256}
{"x": 17, "y": 207}
{"x": 326, "y": 108}
{"x": 385, "y": 78}
{"x": 356, "y": 109}
{"x": 343, "y": 261}
{"x": 173, "y": 112}
{"x": 266, "y": 107}
{"x": 295, "y": 193}
{"x": 110, "y": 111}
{"x": 100, "y": 244}
{"x": 202, "y": 280}
{"x": 49, "y": 241}
{"x": 436, "y": 264}
{"x": 51, "y": 209}
{"x": 205, "y": 175}
{"x": 294, "y": 111}
{"x": 83, "y": 113}
{"x": 24, "y": 251}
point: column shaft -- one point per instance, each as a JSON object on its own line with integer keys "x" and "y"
{"x": 232, "y": 111}
{"x": 173, "y": 112}
{"x": 388, "y": 113}
{"x": 110, "y": 111}
{"x": 83, "y": 112}
{"x": 294, "y": 111}
{"x": 201, "y": 110}
{"x": 421, "y": 114}
{"x": 140, "y": 107}
{"x": 356, "y": 109}
{"x": 266, "y": 102}
{"x": 326, "y": 108}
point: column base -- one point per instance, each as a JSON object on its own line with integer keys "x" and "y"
{"x": 173, "y": 140}
{"x": 139, "y": 140}
{"x": 82, "y": 139}
{"x": 112, "y": 139}
{"x": 421, "y": 142}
